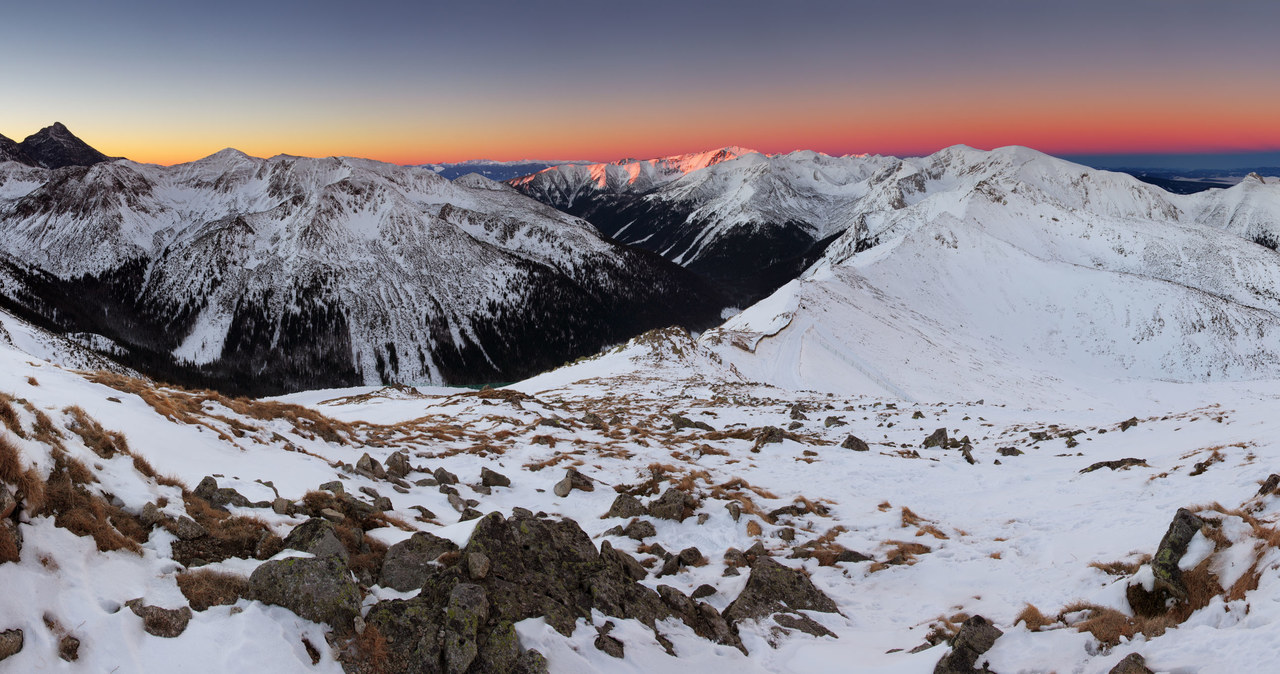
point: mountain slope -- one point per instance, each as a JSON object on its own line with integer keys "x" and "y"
{"x": 1016, "y": 276}
{"x": 51, "y": 147}
{"x": 270, "y": 275}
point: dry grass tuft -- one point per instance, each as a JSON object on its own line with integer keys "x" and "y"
{"x": 1032, "y": 618}
{"x": 104, "y": 443}
{"x": 83, "y": 513}
{"x": 1121, "y": 568}
{"x": 204, "y": 588}
{"x": 9, "y": 416}
{"x": 371, "y": 647}
{"x": 30, "y": 488}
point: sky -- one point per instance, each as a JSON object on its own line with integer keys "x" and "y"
{"x": 422, "y": 81}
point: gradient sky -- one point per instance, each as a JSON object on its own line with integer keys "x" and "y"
{"x": 413, "y": 82}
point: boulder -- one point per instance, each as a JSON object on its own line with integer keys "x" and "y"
{"x": 443, "y": 476}
{"x": 398, "y": 464}
{"x": 221, "y": 497}
{"x": 1131, "y": 664}
{"x": 408, "y": 564}
{"x": 7, "y": 502}
{"x": 573, "y": 480}
{"x": 185, "y": 528}
{"x": 674, "y": 504}
{"x": 317, "y": 536}
{"x": 856, "y": 444}
{"x": 369, "y": 467}
{"x": 679, "y": 423}
{"x": 976, "y": 636}
{"x": 10, "y": 643}
{"x": 318, "y": 589}
{"x": 491, "y": 478}
{"x": 625, "y": 506}
{"x": 161, "y": 622}
{"x": 640, "y": 530}
{"x": 769, "y": 435}
{"x": 773, "y": 588}
{"x": 69, "y": 648}
{"x": 937, "y": 438}
{"x": 1168, "y": 587}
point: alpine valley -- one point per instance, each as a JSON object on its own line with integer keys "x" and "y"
{"x": 976, "y": 411}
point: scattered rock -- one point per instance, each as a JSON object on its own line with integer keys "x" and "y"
{"x": 398, "y": 464}
{"x": 333, "y": 486}
{"x": 610, "y": 646}
{"x": 769, "y": 435}
{"x": 318, "y": 537}
{"x": 1131, "y": 664}
{"x": 477, "y": 565}
{"x": 573, "y": 480}
{"x": 69, "y": 648}
{"x": 10, "y": 643}
{"x": 640, "y": 530}
{"x": 161, "y": 622}
{"x": 369, "y": 467}
{"x": 593, "y": 421}
{"x": 703, "y": 590}
{"x": 470, "y": 514}
{"x": 282, "y": 506}
{"x": 332, "y": 515}
{"x": 221, "y": 497}
{"x": 803, "y": 623}
{"x": 149, "y": 517}
{"x": 834, "y": 421}
{"x": 1270, "y": 485}
{"x": 185, "y": 528}
{"x": 318, "y": 589}
{"x": 680, "y": 423}
{"x": 976, "y": 636}
{"x": 1010, "y": 451}
{"x": 445, "y": 477}
{"x": 1129, "y": 423}
{"x": 491, "y": 478}
{"x": 855, "y": 443}
{"x": 794, "y": 426}
{"x": 1118, "y": 464}
{"x": 936, "y": 439}
{"x": 797, "y": 413}
{"x": 1168, "y": 583}
{"x": 409, "y": 563}
{"x": 773, "y": 588}
{"x": 674, "y": 504}
{"x": 625, "y": 506}
{"x": 735, "y": 510}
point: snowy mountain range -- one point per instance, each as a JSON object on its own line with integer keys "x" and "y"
{"x": 496, "y": 170}
{"x": 264, "y": 275}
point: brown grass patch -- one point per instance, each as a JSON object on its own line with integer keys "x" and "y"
{"x": 9, "y": 416}
{"x": 1032, "y": 618}
{"x": 8, "y": 545}
{"x": 754, "y": 528}
{"x": 1121, "y": 568}
{"x": 83, "y": 513}
{"x": 204, "y": 589}
{"x": 26, "y": 479}
{"x": 371, "y": 647}
{"x": 104, "y": 443}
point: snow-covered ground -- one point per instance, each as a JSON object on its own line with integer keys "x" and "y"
{"x": 997, "y": 534}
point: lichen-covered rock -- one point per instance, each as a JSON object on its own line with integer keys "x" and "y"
{"x": 490, "y": 478}
{"x": 408, "y": 564}
{"x": 369, "y": 467}
{"x": 317, "y": 536}
{"x": 10, "y": 643}
{"x": 625, "y": 506}
{"x": 1168, "y": 587}
{"x": 856, "y": 444}
{"x": 976, "y": 636}
{"x": 773, "y": 588}
{"x": 573, "y": 480}
{"x": 1131, "y": 664}
{"x": 161, "y": 622}
{"x": 464, "y": 617}
{"x": 640, "y": 530}
{"x": 318, "y": 589}
{"x": 185, "y": 528}
{"x": 674, "y": 504}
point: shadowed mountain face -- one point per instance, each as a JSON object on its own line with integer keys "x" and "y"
{"x": 51, "y": 147}
{"x": 262, "y": 276}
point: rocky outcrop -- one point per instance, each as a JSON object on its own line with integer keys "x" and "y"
{"x": 775, "y": 590}
{"x": 976, "y": 636}
{"x": 409, "y": 563}
{"x": 161, "y": 622}
{"x": 318, "y": 589}
{"x": 1168, "y": 587}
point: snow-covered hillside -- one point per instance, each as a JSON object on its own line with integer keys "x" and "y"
{"x": 655, "y": 516}
{"x": 287, "y": 273}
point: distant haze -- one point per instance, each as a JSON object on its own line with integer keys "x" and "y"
{"x": 1188, "y": 162}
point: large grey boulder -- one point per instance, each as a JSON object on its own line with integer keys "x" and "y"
{"x": 318, "y": 589}
{"x": 773, "y": 588}
{"x": 409, "y": 563}
{"x": 976, "y": 636}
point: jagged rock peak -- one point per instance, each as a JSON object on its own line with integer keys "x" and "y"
{"x": 55, "y": 146}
